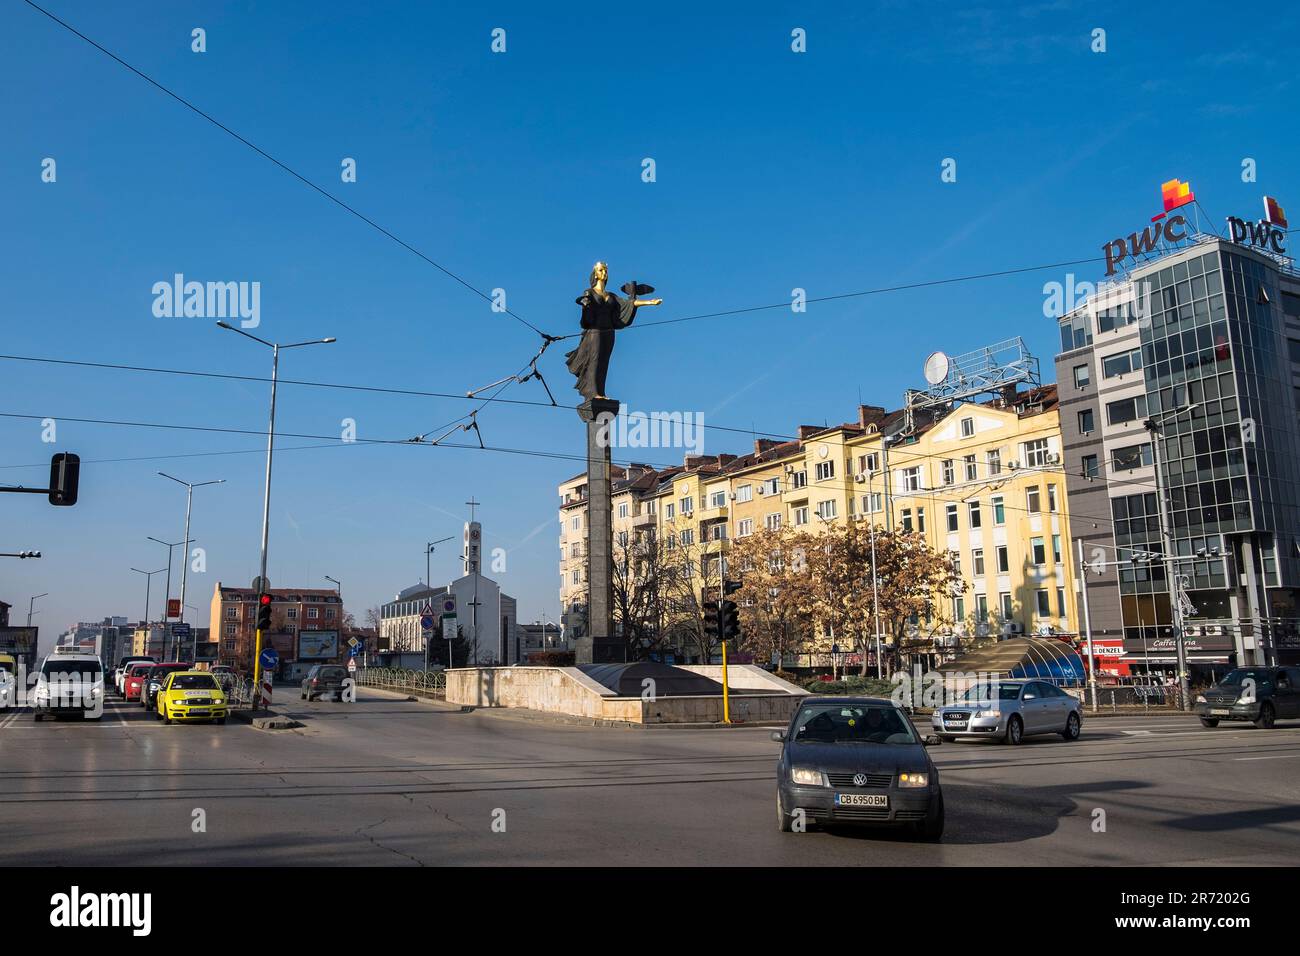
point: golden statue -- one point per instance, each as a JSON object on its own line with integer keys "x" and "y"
{"x": 603, "y": 314}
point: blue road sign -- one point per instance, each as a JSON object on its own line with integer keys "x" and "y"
{"x": 426, "y": 622}
{"x": 270, "y": 657}
{"x": 181, "y": 630}
{"x": 354, "y": 651}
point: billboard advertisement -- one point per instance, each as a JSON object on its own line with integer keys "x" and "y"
{"x": 318, "y": 645}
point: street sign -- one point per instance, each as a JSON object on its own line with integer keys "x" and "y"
{"x": 354, "y": 651}
{"x": 270, "y": 658}
{"x": 181, "y": 630}
{"x": 173, "y": 607}
{"x": 426, "y": 622}
{"x": 448, "y": 604}
{"x": 352, "y": 664}
{"x": 353, "y": 642}
{"x": 449, "y": 627}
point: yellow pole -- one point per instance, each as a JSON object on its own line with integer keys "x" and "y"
{"x": 726, "y": 703}
{"x": 257, "y": 667}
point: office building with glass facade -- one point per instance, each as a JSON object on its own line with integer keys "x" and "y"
{"x": 1198, "y": 350}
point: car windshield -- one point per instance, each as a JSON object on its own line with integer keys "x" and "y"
{"x": 852, "y": 723}
{"x": 331, "y": 672}
{"x": 193, "y": 682}
{"x": 69, "y": 668}
{"x": 982, "y": 692}
{"x": 1242, "y": 674}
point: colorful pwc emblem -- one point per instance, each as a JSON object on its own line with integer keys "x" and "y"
{"x": 1175, "y": 193}
{"x": 1273, "y": 212}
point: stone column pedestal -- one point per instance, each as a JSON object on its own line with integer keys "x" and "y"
{"x": 599, "y": 645}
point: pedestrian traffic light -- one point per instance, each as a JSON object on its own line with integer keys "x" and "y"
{"x": 730, "y": 615}
{"x": 65, "y": 470}
{"x": 711, "y": 620}
{"x": 264, "y": 612}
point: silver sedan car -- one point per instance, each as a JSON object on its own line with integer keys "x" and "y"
{"x": 1011, "y": 710}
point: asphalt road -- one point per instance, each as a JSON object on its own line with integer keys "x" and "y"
{"x": 387, "y": 781}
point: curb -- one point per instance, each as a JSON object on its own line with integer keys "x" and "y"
{"x": 542, "y": 717}
{"x": 263, "y": 720}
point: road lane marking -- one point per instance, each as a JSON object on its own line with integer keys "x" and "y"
{"x": 1271, "y": 757}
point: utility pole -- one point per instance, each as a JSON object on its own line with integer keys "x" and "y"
{"x": 1087, "y": 628}
{"x": 270, "y": 450}
{"x": 31, "y": 604}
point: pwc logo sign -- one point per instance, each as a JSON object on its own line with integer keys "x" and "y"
{"x": 1268, "y": 233}
{"x": 1174, "y": 193}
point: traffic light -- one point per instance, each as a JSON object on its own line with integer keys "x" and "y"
{"x": 730, "y": 615}
{"x": 711, "y": 620}
{"x": 731, "y": 587}
{"x": 65, "y": 470}
{"x": 264, "y": 612}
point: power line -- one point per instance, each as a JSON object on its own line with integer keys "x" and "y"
{"x": 292, "y": 172}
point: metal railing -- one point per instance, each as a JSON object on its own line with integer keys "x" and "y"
{"x": 428, "y": 683}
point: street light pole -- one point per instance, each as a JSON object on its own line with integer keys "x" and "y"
{"x": 31, "y": 604}
{"x": 1166, "y": 537}
{"x": 168, "y": 545}
{"x": 1087, "y": 627}
{"x": 270, "y": 451}
{"x": 148, "y": 582}
{"x": 875, "y": 595}
{"x": 185, "y": 555}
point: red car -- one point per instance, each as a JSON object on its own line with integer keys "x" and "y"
{"x": 134, "y": 678}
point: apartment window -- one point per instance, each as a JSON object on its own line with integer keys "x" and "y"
{"x": 718, "y": 499}
{"x": 1086, "y": 422}
{"x": 231, "y": 629}
{"x": 622, "y": 539}
{"x": 312, "y": 613}
{"x": 1088, "y": 466}
{"x": 1044, "y": 608}
{"x": 1131, "y": 456}
{"x": 801, "y": 515}
{"x": 688, "y": 537}
{"x": 1126, "y": 410}
{"x": 906, "y": 519}
{"x": 1051, "y": 498}
{"x": 868, "y": 463}
{"x": 1032, "y": 500}
{"x": 329, "y": 613}
{"x": 912, "y": 479}
{"x": 745, "y": 527}
{"x": 688, "y": 504}
{"x": 827, "y": 508}
{"x": 1004, "y": 601}
{"x": 1003, "y": 559}
{"x": 770, "y": 486}
{"x": 576, "y": 524}
{"x": 967, "y": 427}
{"x": 994, "y": 458}
{"x": 1035, "y": 453}
{"x": 825, "y": 470}
{"x": 948, "y": 474}
{"x": 999, "y": 511}
{"x": 772, "y": 522}
{"x": 622, "y": 510}
{"x": 575, "y": 577}
{"x": 920, "y": 520}
{"x": 232, "y": 613}
{"x": 718, "y": 531}
{"x": 291, "y": 613}
{"x": 977, "y": 562}
{"x": 954, "y": 559}
{"x": 981, "y": 607}
{"x": 1060, "y": 601}
{"x": 1082, "y": 376}
{"x": 670, "y": 542}
{"x": 959, "y": 614}
{"x": 799, "y": 479}
{"x": 1121, "y": 364}
{"x": 651, "y": 507}
{"x": 1038, "y": 548}
{"x": 745, "y": 493}
{"x": 575, "y": 550}
{"x": 1056, "y": 549}
{"x": 969, "y": 461}
{"x": 950, "y": 516}
{"x": 974, "y": 515}
{"x": 670, "y": 510}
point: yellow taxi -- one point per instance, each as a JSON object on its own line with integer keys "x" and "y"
{"x": 191, "y": 695}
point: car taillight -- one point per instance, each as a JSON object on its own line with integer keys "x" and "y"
{"x": 315, "y": 681}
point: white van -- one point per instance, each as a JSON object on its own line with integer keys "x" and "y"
{"x": 70, "y": 681}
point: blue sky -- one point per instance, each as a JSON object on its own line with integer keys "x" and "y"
{"x": 774, "y": 170}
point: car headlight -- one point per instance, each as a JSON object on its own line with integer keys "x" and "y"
{"x": 1200, "y": 698}
{"x": 910, "y": 780}
{"x": 809, "y": 778}
{"x": 986, "y": 713}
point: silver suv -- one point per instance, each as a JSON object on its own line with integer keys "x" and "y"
{"x": 1010, "y": 710}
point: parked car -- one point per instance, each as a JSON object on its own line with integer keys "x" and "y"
{"x": 324, "y": 680}
{"x": 856, "y": 760}
{"x": 1258, "y": 694}
{"x": 136, "y": 674}
{"x": 1010, "y": 711}
{"x": 156, "y": 677}
{"x": 191, "y": 695}
{"x": 119, "y": 672}
{"x": 69, "y": 683}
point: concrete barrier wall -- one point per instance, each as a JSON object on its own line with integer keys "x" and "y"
{"x": 743, "y": 677}
{"x": 567, "y": 690}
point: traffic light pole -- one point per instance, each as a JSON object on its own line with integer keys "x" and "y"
{"x": 266, "y": 518}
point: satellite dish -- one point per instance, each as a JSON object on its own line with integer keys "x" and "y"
{"x": 936, "y": 368}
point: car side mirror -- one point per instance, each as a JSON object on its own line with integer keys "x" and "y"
{"x": 933, "y": 740}
{"x": 778, "y": 736}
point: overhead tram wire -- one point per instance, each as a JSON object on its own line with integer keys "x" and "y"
{"x": 284, "y": 166}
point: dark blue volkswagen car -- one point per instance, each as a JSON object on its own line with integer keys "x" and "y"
{"x": 856, "y": 760}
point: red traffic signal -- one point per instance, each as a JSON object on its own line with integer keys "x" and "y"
{"x": 264, "y": 612}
